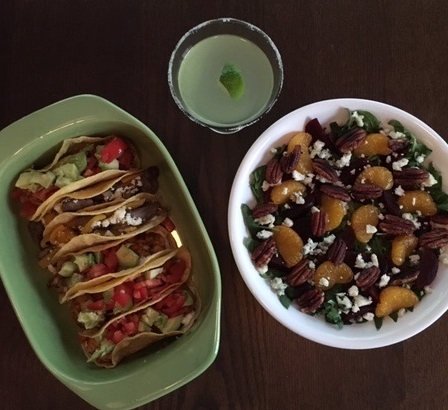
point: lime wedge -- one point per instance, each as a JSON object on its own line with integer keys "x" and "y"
{"x": 232, "y": 79}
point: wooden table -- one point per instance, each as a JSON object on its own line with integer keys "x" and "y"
{"x": 391, "y": 51}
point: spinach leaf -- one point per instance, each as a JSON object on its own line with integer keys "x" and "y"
{"x": 285, "y": 301}
{"x": 253, "y": 227}
{"x": 256, "y": 183}
{"x": 371, "y": 123}
{"x": 436, "y": 191}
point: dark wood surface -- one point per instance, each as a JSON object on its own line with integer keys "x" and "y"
{"x": 393, "y": 51}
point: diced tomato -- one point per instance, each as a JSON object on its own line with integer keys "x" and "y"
{"x": 92, "y": 167}
{"x": 153, "y": 283}
{"x": 129, "y": 328}
{"x": 113, "y": 149}
{"x": 117, "y": 336}
{"x": 43, "y": 194}
{"x": 140, "y": 294}
{"x": 175, "y": 270}
{"x": 111, "y": 261}
{"x": 28, "y": 209}
{"x": 99, "y": 269}
{"x": 168, "y": 224}
{"x": 97, "y": 305}
{"x": 172, "y": 304}
{"x": 123, "y": 294}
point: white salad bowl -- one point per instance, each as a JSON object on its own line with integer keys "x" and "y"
{"x": 315, "y": 328}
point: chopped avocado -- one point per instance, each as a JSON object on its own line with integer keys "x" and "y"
{"x": 172, "y": 323}
{"x": 120, "y": 309}
{"x": 74, "y": 279}
{"x": 98, "y": 257}
{"x": 189, "y": 301}
{"x": 66, "y": 174}
{"x": 33, "y": 180}
{"x": 108, "y": 295}
{"x": 90, "y": 319}
{"x": 68, "y": 269}
{"x": 150, "y": 316}
{"x": 79, "y": 160}
{"x": 153, "y": 273}
{"x": 127, "y": 258}
{"x": 111, "y": 165}
{"x": 84, "y": 261}
{"x": 105, "y": 348}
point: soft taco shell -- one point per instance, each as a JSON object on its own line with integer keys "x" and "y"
{"x": 72, "y": 146}
{"x": 99, "y": 187}
{"x": 77, "y": 295}
{"x": 165, "y": 243}
{"x": 83, "y": 240}
{"x": 131, "y": 345}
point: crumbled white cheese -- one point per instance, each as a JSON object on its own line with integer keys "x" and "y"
{"x": 268, "y": 220}
{"x": 279, "y": 286}
{"x": 343, "y": 301}
{"x": 410, "y": 217}
{"x": 353, "y": 291}
{"x": 344, "y": 160}
{"x": 401, "y": 312}
{"x": 309, "y": 247}
{"x": 359, "y": 119}
{"x": 398, "y": 165}
{"x": 414, "y": 259}
{"x": 265, "y": 186}
{"x": 430, "y": 181}
{"x": 370, "y": 229}
{"x": 316, "y": 148}
{"x": 288, "y": 222}
{"x": 360, "y": 301}
{"x": 262, "y": 269}
{"x": 420, "y": 159}
{"x": 297, "y": 176}
{"x": 399, "y": 191}
{"x": 264, "y": 234}
{"x": 369, "y": 316}
{"x": 324, "y": 282}
{"x": 384, "y": 281}
{"x": 297, "y": 198}
{"x": 396, "y": 135}
{"x": 395, "y": 270}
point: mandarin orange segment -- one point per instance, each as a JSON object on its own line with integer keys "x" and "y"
{"x": 374, "y": 144}
{"x": 363, "y": 220}
{"x": 417, "y": 201}
{"x": 379, "y": 176}
{"x": 289, "y": 245}
{"x": 305, "y": 164}
{"x": 336, "y": 210}
{"x": 328, "y": 274}
{"x": 394, "y": 298}
{"x": 402, "y": 247}
{"x": 283, "y": 192}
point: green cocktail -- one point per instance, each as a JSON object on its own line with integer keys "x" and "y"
{"x": 225, "y": 74}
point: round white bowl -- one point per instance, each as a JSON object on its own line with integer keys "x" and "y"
{"x": 315, "y": 328}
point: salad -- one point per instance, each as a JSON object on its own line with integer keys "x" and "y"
{"x": 350, "y": 221}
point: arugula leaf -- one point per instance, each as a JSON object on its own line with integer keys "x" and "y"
{"x": 256, "y": 182}
{"x": 371, "y": 123}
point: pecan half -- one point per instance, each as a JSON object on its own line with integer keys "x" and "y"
{"x": 325, "y": 170}
{"x": 300, "y": 273}
{"x": 351, "y": 140}
{"x": 261, "y": 210}
{"x": 336, "y": 192}
{"x": 319, "y": 223}
{"x": 310, "y": 300}
{"x": 337, "y": 251}
{"x": 361, "y": 192}
{"x": 274, "y": 171}
{"x": 430, "y": 264}
{"x": 395, "y": 225}
{"x": 264, "y": 252}
{"x": 368, "y": 277}
{"x": 405, "y": 276}
{"x": 441, "y": 219}
{"x": 433, "y": 239}
{"x": 289, "y": 162}
{"x": 409, "y": 177}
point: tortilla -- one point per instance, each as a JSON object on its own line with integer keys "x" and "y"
{"x": 129, "y": 345}
{"x": 164, "y": 285}
{"x": 157, "y": 241}
{"x": 73, "y": 146}
{"x": 73, "y": 231}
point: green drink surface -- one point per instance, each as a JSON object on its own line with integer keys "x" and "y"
{"x": 206, "y": 98}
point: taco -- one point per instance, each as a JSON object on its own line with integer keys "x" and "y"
{"x": 130, "y": 332}
{"x": 80, "y": 162}
{"x": 94, "y": 306}
{"x": 105, "y": 192}
{"x": 72, "y": 231}
{"x": 103, "y": 262}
